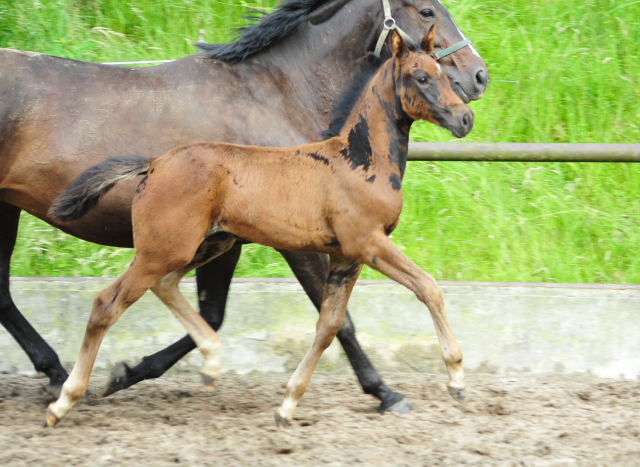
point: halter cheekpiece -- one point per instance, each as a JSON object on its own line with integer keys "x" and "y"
{"x": 389, "y": 25}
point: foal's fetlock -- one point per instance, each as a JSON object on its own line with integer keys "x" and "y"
{"x": 457, "y": 383}
{"x": 210, "y": 371}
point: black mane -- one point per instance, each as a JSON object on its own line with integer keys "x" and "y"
{"x": 367, "y": 67}
{"x": 266, "y": 30}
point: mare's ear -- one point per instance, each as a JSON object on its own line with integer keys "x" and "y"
{"x": 398, "y": 46}
{"x": 426, "y": 45}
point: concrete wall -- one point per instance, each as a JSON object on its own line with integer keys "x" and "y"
{"x": 502, "y": 328}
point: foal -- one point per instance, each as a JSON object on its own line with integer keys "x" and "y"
{"x": 341, "y": 196}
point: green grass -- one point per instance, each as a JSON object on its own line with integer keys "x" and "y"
{"x": 560, "y": 72}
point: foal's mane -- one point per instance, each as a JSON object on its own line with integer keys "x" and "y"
{"x": 366, "y": 68}
{"x": 266, "y": 30}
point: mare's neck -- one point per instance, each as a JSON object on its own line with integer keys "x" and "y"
{"x": 317, "y": 61}
{"x": 377, "y": 128}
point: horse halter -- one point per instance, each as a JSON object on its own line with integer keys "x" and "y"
{"x": 389, "y": 25}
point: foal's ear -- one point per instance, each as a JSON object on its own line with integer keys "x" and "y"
{"x": 398, "y": 46}
{"x": 427, "y": 41}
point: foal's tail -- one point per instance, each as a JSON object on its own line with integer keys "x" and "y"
{"x": 84, "y": 192}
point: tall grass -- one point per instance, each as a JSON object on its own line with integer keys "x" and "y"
{"x": 560, "y": 72}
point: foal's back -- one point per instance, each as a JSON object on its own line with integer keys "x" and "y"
{"x": 282, "y": 197}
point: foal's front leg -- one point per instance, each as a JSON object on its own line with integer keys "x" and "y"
{"x": 382, "y": 255}
{"x": 342, "y": 277}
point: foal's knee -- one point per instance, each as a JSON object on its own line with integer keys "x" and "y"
{"x": 430, "y": 294}
{"x": 327, "y": 331}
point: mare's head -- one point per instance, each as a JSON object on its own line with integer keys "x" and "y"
{"x": 304, "y": 24}
{"x": 465, "y": 68}
{"x": 424, "y": 91}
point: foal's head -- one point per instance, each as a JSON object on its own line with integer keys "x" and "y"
{"x": 424, "y": 90}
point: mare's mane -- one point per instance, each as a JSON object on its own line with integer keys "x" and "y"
{"x": 366, "y": 68}
{"x": 266, "y": 30}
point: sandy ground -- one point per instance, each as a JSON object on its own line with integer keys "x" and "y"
{"x": 527, "y": 420}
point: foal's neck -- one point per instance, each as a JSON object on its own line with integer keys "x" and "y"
{"x": 377, "y": 128}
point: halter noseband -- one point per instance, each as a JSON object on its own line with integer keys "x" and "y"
{"x": 390, "y": 24}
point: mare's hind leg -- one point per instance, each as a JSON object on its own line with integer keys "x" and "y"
{"x": 42, "y": 356}
{"x": 311, "y": 270}
{"x": 383, "y": 256}
{"x": 213, "y": 279}
{"x": 168, "y": 291}
{"x": 108, "y": 306}
{"x": 342, "y": 277}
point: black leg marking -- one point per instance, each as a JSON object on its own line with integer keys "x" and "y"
{"x": 42, "y": 356}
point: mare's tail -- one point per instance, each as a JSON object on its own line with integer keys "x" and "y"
{"x": 84, "y": 192}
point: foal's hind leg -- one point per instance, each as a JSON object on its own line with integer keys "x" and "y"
{"x": 213, "y": 280}
{"x": 42, "y": 356}
{"x": 382, "y": 255}
{"x": 168, "y": 291}
{"x": 342, "y": 277}
{"x": 108, "y": 306}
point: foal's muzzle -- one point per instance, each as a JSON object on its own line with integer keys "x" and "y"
{"x": 461, "y": 122}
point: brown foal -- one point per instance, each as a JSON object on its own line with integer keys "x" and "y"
{"x": 342, "y": 197}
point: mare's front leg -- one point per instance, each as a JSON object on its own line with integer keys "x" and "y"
{"x": 311, "y": 270}
{"x": 342, "y": 277}
{"x": 42, "y": 356}
{"x": 108, "y": 306}
{"x": 213, "y": 280}
{"x": 382, "y": 255}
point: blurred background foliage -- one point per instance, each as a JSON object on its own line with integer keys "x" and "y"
{"x": 561, "y": 71}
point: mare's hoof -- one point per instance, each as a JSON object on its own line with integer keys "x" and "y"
{"x": 209, "y": 382}
{"x": 281, "y": 422}
{"x": 457, "y": 394}
{"x": 53, "y": 390}
{"x": 52, "y": 420}
{"x": 401, "y": 407}
{"x": 118, "y": 379}
{"x": 394, "y": 402}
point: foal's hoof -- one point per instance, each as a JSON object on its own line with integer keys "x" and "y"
{"x": 117, "y": 379}
{"x": 52, "y": 420}
{"x": 401, "y": 407}
{"x": 457, "y": 394}
{"x": 281, "y": 422}
{"x": 209, "y": 382}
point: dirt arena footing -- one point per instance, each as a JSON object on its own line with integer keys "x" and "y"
{"x": 524, "y": 420}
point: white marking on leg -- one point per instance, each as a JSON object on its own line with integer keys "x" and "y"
{"x": 212, "y": 354}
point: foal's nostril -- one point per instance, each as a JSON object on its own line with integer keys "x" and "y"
{"x": 466, "y": 120}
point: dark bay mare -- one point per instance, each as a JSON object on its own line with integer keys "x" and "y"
{"x": 275, "y": 86}
{"x": 340, "y": 197}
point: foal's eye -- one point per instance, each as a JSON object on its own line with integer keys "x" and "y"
{"x": 427, "y": 13}
{"x": 421, "y": 80}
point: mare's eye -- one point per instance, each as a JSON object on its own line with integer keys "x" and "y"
{"x": 427, "y": 13}
{"x": 421, "y": 80}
